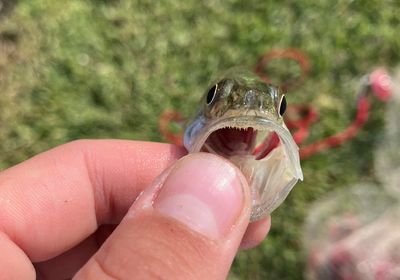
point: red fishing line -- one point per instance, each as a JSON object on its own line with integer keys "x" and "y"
{"x": 292, "y": 54}
{"x": 299, "y": 118}
{"x": 164, "y": 122}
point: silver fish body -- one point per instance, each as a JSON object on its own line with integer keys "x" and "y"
{"x": 240, "y": 118}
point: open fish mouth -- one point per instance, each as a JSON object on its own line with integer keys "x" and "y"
{"x": 263, "y": 150}
{"x": 232, "y": 141}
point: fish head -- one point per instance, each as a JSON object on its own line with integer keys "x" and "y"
{"x": 240, "y": 92}
{"x": 241, "y": 118}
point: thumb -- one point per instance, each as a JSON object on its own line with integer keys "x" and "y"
{"x": 187, "y": 225}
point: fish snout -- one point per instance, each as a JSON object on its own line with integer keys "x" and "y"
{"x": 257, "y": 101}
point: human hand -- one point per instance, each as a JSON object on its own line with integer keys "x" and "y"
{"x": 58, "y": 209}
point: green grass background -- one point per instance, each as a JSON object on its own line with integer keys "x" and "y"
{"x": 107, "y": 69}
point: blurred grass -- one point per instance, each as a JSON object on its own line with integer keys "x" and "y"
{"x": 107, "y": 69}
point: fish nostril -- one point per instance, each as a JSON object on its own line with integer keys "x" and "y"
{"x": 250, "y": 99}
{"x": 260, "y": 101}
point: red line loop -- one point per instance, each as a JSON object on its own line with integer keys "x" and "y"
{"x": 299, "y": 118}
{"x": 166, "y": 118}
{"x": 292, "y": 54}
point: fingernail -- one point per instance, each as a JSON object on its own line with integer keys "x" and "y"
{"x": 204, "y": 192}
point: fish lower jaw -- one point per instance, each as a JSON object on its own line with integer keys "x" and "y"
{"x": 264, "y": 151}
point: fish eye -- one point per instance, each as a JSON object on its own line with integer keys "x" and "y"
{"x": 282, "y": 105}
{"x": 211, "y": 94}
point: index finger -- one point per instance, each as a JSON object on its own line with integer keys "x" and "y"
{"x": 54, "y": 200}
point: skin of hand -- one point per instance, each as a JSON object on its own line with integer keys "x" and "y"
{"x": 99, "y": 209}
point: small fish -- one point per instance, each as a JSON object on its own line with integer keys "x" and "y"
{"x": 240, "y": 118}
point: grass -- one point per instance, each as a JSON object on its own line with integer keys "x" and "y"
{"x": 107, "y": 69}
